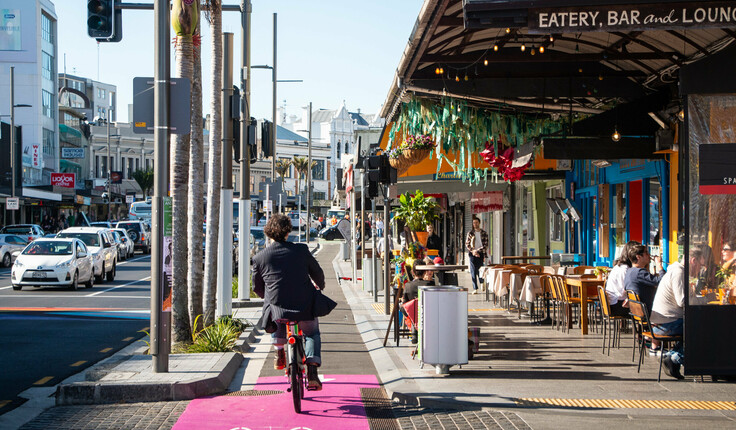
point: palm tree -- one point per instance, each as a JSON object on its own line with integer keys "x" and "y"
{"x": 300, "y": 165}
{"x": 196, "y": 195}
{"x": 282, "y": 168}
{"x": 214, "y": 16}
{"x": 184, "y": 16}
{"x": 144, "y": 178}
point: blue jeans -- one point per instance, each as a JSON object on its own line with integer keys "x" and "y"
{"x": 312, "y": 339}
{"x": 475, "y": 264}
{"x": 671, "y": 329}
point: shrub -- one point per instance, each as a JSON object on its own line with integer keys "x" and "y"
{"x": 219, "y": 337}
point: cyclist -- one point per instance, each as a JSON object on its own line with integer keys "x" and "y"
{"x": 285, "y": 275}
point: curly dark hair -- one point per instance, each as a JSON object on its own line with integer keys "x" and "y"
{"x": 278, "y": 227}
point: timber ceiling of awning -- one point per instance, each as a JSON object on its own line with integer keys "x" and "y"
{"x": 583, "y": 70}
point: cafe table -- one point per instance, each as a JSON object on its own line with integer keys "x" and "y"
{"x": 587, "y": 289}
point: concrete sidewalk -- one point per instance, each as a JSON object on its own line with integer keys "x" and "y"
{"x": 539, "y": 372}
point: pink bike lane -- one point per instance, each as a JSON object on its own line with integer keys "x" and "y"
{"x": 337, "y": 406}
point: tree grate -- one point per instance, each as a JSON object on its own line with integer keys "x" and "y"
{"x": 248, "y": 393}
{"x": 378, "y": 409}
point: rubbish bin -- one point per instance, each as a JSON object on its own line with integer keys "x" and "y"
{"x": 443, "y": 326}
{"x": 345, "y": 251}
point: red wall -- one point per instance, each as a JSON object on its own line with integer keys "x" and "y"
{"x": 636, "y": 213}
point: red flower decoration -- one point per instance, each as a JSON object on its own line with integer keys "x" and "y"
{"x": 502, "y": 163}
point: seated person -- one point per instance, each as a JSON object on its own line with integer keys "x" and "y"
{"x": 615, "y": 290}
{"x": 638, "y": 279}
{"x": 422, "y": 279}
{"x": 669, "y": 305}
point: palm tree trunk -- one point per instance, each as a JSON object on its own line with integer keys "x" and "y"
{"x": 179, "y": 183}
{"x": 213, "y": 161}
{"x": 196, "y": 195}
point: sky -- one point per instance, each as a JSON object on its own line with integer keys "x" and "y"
{"x": 343, "y": 50}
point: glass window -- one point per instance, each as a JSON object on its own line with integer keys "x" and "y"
{"x": 48, "y": 142}
{"x": 318, "y": 195}
{"x": 554, "y": 219}
{"x": 47, "y": 28}
{"x": 89, "y": 239}
{"x": 318, "y": 171}
{"x": 530, "y": 215}
{"x": 47, "y": 65}
{"x": 48, "y": 103}
{"x": 48, "y": 248}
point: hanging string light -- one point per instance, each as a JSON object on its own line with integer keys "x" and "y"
{"x": 616, "y": 136}
{"x": 523, "y": 47}
{"x": 508, "y": 30}
{"x": 437, "y": 71}
{"x": 541, "y": 49}
{"x": 485, "y": 62}
{"x": 551, "y": 38}
{"x": 495, "y": 47}
{"x": 534, "y": 52}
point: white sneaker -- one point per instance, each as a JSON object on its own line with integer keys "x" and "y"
{"x": 475, "y": 291}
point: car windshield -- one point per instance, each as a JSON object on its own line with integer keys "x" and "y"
{"x": 100, "y": 224}
{"x": 141, "y": 209}
{"x": 258, "y": 234}
{"x": 89, "y": 239}
{"x": 49, "y": 248}
{"x": 18, "y": 230}
{"x": 135, "y": 226}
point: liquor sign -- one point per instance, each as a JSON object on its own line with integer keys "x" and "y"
{"x": 657, "y": 16}
{"x": 116, "y": 177}
{"x": 717, "y": 168}
{"x": 12, "y": 203}
{"x": 66, "y": 180}
{"x": 486, "y": 201}
{"x": 36, "y": 155}
{"x": 72, "y": 152}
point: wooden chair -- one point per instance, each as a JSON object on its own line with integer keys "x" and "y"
{"x": 549, "y": 284}
{"x": 580, "y": 270}
{"x": 639, "y": 313}
{"x": 534, "y": 269}
{"x": 549, "y": 270}
{"x": 612, "y": 320}
{"x": 638, "y": 338}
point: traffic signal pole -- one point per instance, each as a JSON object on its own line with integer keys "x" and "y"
{"x": 244, "y": 212}
{"x": 160, "y": 320}
{"x": 225, "y": 246}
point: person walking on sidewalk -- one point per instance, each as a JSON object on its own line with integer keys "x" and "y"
{"x": 477, "y": 245}
{"x": 285, "y": 275}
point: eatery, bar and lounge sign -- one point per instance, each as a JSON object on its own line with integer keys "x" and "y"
{"x": 659, "y": 16}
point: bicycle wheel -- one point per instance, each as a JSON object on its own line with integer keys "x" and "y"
{"x": 295, "y": 376}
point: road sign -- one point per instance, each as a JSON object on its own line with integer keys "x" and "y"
{"x": 143, "y": 108}
{"x": 72, "y": 152}
{"x": 129, "y": 199}
{"x": 12, "y": 203}
{"x": 269, "y": 205}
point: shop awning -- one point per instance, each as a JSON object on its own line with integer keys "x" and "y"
{"x": 127, "y": 186}
{"x": 41, "y": 194}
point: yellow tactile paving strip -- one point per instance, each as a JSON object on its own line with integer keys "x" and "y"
{"x": 379, "y": 307}
{"x": 628, "y": 404}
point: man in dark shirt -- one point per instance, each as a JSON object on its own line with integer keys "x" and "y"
{"x": 434, "y": 241}
{"x": 422, "y": 279}
{"x": 638, "y": 279}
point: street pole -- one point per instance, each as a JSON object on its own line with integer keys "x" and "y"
{"x": 353, "y": 227}
{"x": 160, "y": 320}
{"x": 299, "y": 218}
{"x": 273, "y": 111}
{"x": 109, "y": 169}
{"x": 13, "y": 161}
{"x": 386, "y": 258}
{"x": 225, "y": 248}
{"x": 309, "y": 174}
{"x": 373, "y": 253}
{"x": 361, "y": 227}
{"x": 244, "y": 212}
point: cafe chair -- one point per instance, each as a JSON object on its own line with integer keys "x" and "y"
{"x": 638, "y": 338}
{"x": 581, "y": 270}
{"x": 641, "y": 316}
{"x": 549, "y": 270}
{"x": 612, "y": 321}
{"x": 534, "y": 269}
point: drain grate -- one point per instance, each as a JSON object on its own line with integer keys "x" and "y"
{"x": 378, "y": 409}
{"x": 247, "y": 393}
{"x": 628, "y": 404}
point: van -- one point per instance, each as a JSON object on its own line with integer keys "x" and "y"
{"x": 140, "y": 211}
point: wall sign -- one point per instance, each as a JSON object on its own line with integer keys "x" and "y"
{"x": 72, "y": 152}
{"x": 36, "y": 155}
{"x": 66, "y": 180}
{"x": 12, "y": 203}
{"x": 660, "y": 16}
{"x": 10, "y": 35}
{"x": 717, "y": 168}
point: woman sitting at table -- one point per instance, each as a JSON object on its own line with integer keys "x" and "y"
{"x": 728, "y": 256}
{"x": 638, "y": 279}
{"x": 615, "y": 290}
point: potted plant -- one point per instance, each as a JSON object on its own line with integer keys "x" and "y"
{"x": 412, "y": 150}
{"x": 416, "y": 212}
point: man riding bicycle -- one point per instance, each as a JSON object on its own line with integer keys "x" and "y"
{"x": 285, "y": 275}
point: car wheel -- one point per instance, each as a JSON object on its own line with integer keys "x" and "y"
{"x": 91, "y": 282}
{"x": 6, "y": 260}
{"x": 101, "y": 278}
{"x": 111, "y": 273}
{"x": 75, "y": 282}
{"x": 17, "y": 287}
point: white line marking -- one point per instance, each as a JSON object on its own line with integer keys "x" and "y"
{"x": 135, "y": 259}
{"x": 5, "y": 288}
{"x": 119, "y": 286}
{"x": 61, "y": 296}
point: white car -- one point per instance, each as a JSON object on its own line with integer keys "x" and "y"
{"x": 10, "y": 246}
{"x": 129, "y": 243}
{"x": 302, "y": 221}
{"x": 101, "y": 246}
{"x": 30, "y": 232}
{"x": 62, "y": 262}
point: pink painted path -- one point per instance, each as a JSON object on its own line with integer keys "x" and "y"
{"x": 337, "y": 406}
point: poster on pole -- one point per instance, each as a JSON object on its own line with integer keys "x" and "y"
{"x": 166, "y": 270}
{"x": 129, "y": 199}
{"x": 12, "y": 203}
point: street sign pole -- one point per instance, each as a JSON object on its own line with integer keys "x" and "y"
{"x": 244, "y": 205}
{"x": 160, "y": 320}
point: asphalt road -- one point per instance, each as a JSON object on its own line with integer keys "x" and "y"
{"x": 49, "y": 334}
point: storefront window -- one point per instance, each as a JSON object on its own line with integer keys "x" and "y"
{"x": 554, "y": 219}
{"x": 619, "y": 217}
{"x": 712, "y": 192}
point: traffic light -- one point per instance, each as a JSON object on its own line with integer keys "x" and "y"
{"x": 104, "y": 23}
{"x": 379, "y": 170}
{"x": 234, "y": 116}
{"x": 252, "y": 147}
{"x": 267, "y": 138}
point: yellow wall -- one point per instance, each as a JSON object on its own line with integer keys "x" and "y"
{"x": 674, "y": 164}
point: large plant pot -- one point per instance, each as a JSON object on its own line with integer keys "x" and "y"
{"x": 422, "y": 237}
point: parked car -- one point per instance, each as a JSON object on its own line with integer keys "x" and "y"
{"x": 139, "y": 232}
{"x": 63, "y": 262}
{"x": 105, "y": 224}
{"x": 30, "y": 232}
{"x": 140, "y": 211}
{"x": 302, "y": 220}
{"x": 332, "y": 232}
{"x": 122, "y": 248}
{"x": 235, "y": 248}
{"x": 129, "y": 244}
{"x": 101, "y": 246}
{"x": 10, "y": 246}
{"x": 259, "y": 239}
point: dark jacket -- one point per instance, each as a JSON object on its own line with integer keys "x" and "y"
{"x": 434, "y": 242}
{"x": 281, "y": 275}
{"x": 643, "y": 283}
